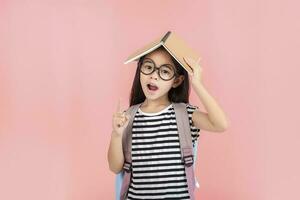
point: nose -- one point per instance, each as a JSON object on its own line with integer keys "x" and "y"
{"x": 154, "y": 75}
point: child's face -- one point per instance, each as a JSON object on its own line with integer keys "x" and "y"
{"x": 160, "y": 87}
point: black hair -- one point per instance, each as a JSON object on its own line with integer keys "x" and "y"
{"x": 176, "y": 95}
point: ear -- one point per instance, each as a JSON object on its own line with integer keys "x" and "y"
{"x": 178, "y": 80}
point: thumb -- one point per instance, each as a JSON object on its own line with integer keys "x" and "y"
{"x": 197, "y": 62}
{"x": 127, "y": 116}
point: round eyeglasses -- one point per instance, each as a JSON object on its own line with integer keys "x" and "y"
{"x": 166, "y": 72}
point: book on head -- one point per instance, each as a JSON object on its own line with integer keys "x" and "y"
{"x": 174, "y": 44}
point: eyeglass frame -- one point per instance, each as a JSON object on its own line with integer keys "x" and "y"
{"x": 158, "y": 69}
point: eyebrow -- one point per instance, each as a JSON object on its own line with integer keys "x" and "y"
{"x": 149, "y": 59}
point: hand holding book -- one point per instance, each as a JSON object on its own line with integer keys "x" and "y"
{"x": 196, "y": 74}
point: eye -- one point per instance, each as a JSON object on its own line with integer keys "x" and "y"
{"x": 165, "y": 72}
{"x": 147, "y": 66}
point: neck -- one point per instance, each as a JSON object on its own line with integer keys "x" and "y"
{"x": 156, "y": 102}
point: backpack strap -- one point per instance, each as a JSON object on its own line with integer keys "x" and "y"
{"x": 126, "y": 145}
{"x": 186, "y": 145}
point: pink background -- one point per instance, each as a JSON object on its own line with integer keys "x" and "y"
{"x": 62, "y": 72}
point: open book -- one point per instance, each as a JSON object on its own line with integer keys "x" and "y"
{"x": 175, "y": 45}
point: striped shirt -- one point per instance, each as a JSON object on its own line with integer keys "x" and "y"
{"x": 157, "y": 169}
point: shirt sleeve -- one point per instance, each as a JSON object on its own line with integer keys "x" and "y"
{"x": 194, "y": 130}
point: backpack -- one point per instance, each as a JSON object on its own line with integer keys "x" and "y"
{"x": 188, "y": 151}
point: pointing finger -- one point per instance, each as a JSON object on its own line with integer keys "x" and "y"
{"x": 119, "y": 106}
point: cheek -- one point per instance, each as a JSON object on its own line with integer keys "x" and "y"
{"x": 167, "y": 86}
{"x": 142, "y": 78}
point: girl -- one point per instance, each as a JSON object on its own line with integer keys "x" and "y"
{"x": 157, "y": 168}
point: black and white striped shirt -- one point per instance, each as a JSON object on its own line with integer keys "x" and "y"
{"x": 157, "y": 169}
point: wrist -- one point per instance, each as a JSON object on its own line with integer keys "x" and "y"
{"x": 197, "y": 84}
{"x": 114, "y": 133}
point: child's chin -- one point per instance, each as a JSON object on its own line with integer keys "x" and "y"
{"x": 155, "y": 96}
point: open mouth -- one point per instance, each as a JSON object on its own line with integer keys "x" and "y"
{"x": 152, "y": 87}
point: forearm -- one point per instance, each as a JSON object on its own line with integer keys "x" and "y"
{"x": 115, "y": 153}
{"x": 214, "y": 111}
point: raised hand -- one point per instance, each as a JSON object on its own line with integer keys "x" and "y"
{"x": 196, "y": 75}
{"x": 120, "y": 120}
